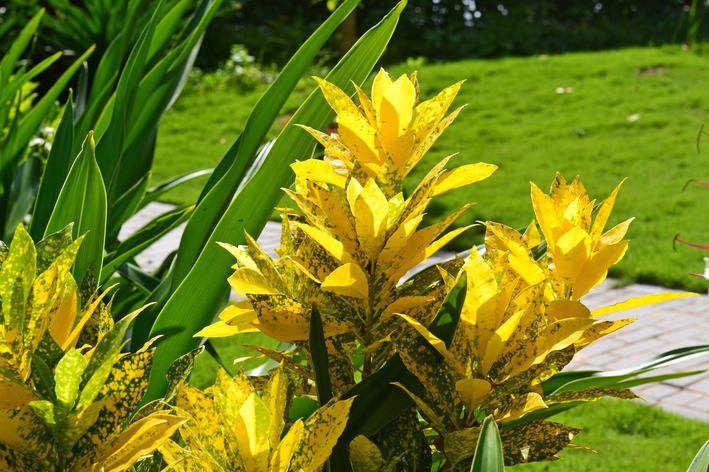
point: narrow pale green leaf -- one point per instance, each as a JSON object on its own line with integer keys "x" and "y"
{"x": 111, "y": 143}
{"x": 143, "y": 238}
{"x": 82, "y": 201}
{"x": 24, "y": 188}
{"x": 212, "y": 207}
{"x": 11, "y": 57}
{"x": 701, "y": 460}
{"x": 158, "y": 191}
{"x": 31, "y": 121}
{"x": 563, "y": 381}
{"x": 58, "y": 165}
{"x": 125, "y": 206}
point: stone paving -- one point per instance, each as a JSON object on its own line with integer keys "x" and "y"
{"x": 659, "y": 328}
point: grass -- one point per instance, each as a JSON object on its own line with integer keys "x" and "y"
{"x": 628, "y": 436}
{"x": 514, "y": 118}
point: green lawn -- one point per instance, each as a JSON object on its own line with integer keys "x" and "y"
{"x": 515, "y": 119}
{"x": 629, "y": 437}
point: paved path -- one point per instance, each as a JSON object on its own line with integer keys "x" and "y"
{"x": 660, "y": 328}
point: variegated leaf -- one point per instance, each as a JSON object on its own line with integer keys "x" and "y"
{"x": 536, "y": 441}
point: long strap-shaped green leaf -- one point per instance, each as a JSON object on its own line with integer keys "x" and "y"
{"x": 7, "y": 65}
{"x": 488, "y": 453}
{"x": 196, "y": 301}
{"x": 565, "y": 381}
{"x": 111, "y": 144}
{"x": 701, "y": 460}
{"x": 231, "y": 170}
{"x": 211, "y": 208}
{"x": 82, "y": 201}
{"x": 57, "y": 168}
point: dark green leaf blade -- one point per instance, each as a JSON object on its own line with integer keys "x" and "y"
{"x": 58, "y": 165}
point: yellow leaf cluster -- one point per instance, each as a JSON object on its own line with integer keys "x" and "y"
{"x": 356, "y": 235}
{"x": 233, "y": 427}
{"x": 522, "y": 321}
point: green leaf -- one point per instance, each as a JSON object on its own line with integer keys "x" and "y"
{"x": 111, "y": 143}
{"x": 212, "y": 207}
{"x": 185, "y": 314}
{"x": 82, "y": 201}
{"x": 18, "y": 82}
{"x": 42, "y": 370}
{"x": 58, "y": 165}
{"x": 563, "y": 381}
{"x": 126, "y": 205}
{"x": 9, "y": 60}
{"x": 143, "y": 281}
{"x": 318, "y": 353}
{"x": 24, "y": 188}
{"x": 158, "y": 191}
{"x": 31, "y": 121}
{"x": 67, "y": 377}
{"x": 143, "y": 238}
{"x": 701, "y": 460}
{"x": 488, "y": 453}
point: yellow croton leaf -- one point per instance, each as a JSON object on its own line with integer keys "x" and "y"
{"x": 330, "y": 244}
{"x": 323, "y": 428}
{"x": 349, "y": 280}
{"x": 141, "y": 438}
{"x": 571, "y": 252}
{"x": 319, "y": 171}
{"x": 381, "y": 84}
{"x": 282, "y": 456}
{"x": 437, "y": 343}
{"x": 247, "y": 281}
{"x": 613, "y": 235}
{"x": 596, "y": 268}
{"x": 372, "y": 210}
{"x": 365, "y": 456}
{"x": 472, "y": 392}
{"x": 603, "y": 214}
{"x": 641, "y": 301}
{"x": 561, "y": 309}
{"x": 463, "y": 175}
{"x": 547, "y": 216}
{"x": 253, "y": 431}
{"x": 395, "y": 113}
{"x": 522, "y": 405}
{"x": 531, "y": 236}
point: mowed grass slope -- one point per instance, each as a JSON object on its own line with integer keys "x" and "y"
{"x": 515, "y": 119}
